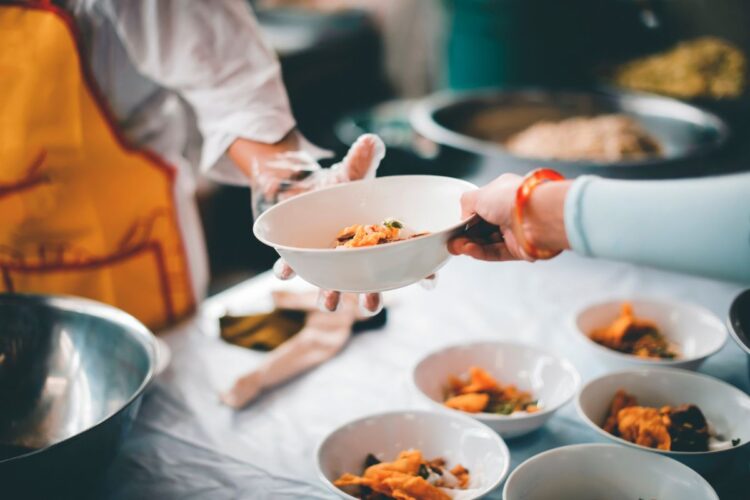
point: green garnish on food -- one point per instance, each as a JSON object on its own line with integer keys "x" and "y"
{"x": 393, "y": 224}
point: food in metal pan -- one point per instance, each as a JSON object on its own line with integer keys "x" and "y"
{"x": 360, "y": 235}
{"x": 409, "y": 477}
{"x": 632, "y": 335}
{"x": 479, "y": 392}
{"x": 604, "y": 138}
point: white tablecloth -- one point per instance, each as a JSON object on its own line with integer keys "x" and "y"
{"x": 186, "y": 445}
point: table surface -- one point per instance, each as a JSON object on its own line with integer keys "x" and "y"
{"x": 186, "y": 444}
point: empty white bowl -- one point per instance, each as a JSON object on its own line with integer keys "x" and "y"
{"x": 726, "y": 408}
{"x": 596, "y": 471}
{"x": 696, "y": 332}
{"x": 459, "y": 440}
{"x": 303, "y": 230}
{"x": 552, "y": 380}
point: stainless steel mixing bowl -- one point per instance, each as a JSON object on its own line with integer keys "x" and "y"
{"x": 72, "y": 372}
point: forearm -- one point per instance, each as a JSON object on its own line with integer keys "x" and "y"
{"x": 699, "y": 226}
{"x": 245, "y": 152}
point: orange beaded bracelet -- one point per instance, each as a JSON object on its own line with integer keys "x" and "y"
{"x": 523, "y": 196}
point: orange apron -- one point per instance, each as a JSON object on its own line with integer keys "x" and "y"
{"x": 81, "y": 212}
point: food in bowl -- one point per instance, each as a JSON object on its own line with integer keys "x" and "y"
{"x": 479, "y": 392}
{"x": 361, "y": 235}
{"x": 678, "y": 428}
{"x": 704, "y": 67}
{"x": 632, "y": 335}
{"x": 604, "y": 138}
{"x": 409, "y": 476}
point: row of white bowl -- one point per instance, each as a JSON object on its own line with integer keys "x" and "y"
{"x": 581, "y": 471}
{"x": 588, "y": 471}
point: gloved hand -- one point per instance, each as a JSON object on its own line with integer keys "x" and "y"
{"x": 289, "y": 174}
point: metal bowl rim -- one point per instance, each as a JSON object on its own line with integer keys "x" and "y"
{"x": 742, "y": 344}
{"x": 100, "y": 310}
{"x": 423, "y": 122}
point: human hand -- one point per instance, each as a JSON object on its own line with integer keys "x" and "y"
{"x": 493, "y": 203}
{"x": 288, "y": 174}
{"x": 543, "y": 221}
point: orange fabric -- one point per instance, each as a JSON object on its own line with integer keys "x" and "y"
{"x": 81, "y": 213}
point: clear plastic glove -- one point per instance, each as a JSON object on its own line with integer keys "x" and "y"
{"x": 288, "y": 174}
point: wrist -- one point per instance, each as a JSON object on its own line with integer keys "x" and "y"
{"x": 544, "y": 219}
{"x": 244, "y": 152}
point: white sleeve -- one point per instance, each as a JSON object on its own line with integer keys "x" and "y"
{"x": 213, "y": 55}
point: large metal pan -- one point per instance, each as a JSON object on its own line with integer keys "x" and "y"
{"x": 478, "y": 122}
{"x": 72, "y": 372}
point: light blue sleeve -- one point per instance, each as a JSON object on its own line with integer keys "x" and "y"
{"x": 699, "y": 226}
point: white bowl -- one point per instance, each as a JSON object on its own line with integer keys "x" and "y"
{"x": 596, "y": 471}
{"x": 303, "y": 229}
{"x": 454, "y": 437}
{"x": 726, "y": 408}
{"x": 551, "y": 379}
{"x": 696, "y": 332}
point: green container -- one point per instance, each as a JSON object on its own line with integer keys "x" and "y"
{"x": 518, "y": 42}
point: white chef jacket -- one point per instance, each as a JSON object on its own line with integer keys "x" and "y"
{"x": 185, "y": 78}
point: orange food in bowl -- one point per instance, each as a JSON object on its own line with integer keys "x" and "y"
{"x": 410, "y": 476}
{"x": 632, "y": 335}
{"x": 480, "y": 392}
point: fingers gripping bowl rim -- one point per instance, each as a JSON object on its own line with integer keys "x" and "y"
{"x": 303, "y": 229}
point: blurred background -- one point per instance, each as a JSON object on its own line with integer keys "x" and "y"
{"x": 355, "y": 66}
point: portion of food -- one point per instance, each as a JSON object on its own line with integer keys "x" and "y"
{"x": 360, "y": 235}
{"x": 704, "y": 67}
{"x": 605, "y": 138}
{"x": 480, "y": 392}
{"x": 409, "y": 477}
{"x": 637, "y": 336}
{"x": 680, "y": 428}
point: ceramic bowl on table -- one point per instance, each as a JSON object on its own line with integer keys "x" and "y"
{"x": 552, "y": 380}
{"x": 72, "y": 373}
{"x": 695, "y": 332}
{"x": 457, "y": 439}
{"x": 303, "y": 230}
{"x": 596, "y": 471}
{"x": 726, "y": 408}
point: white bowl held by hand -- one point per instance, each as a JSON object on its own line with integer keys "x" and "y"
{"x": 596, "y": 471}
{"x": 303, "y": 231}
{"x": 457, "y": 439}
{"x": 552, "y": 380}
{"x": 726, "y": 408}
{"x": 696, "y": 332}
